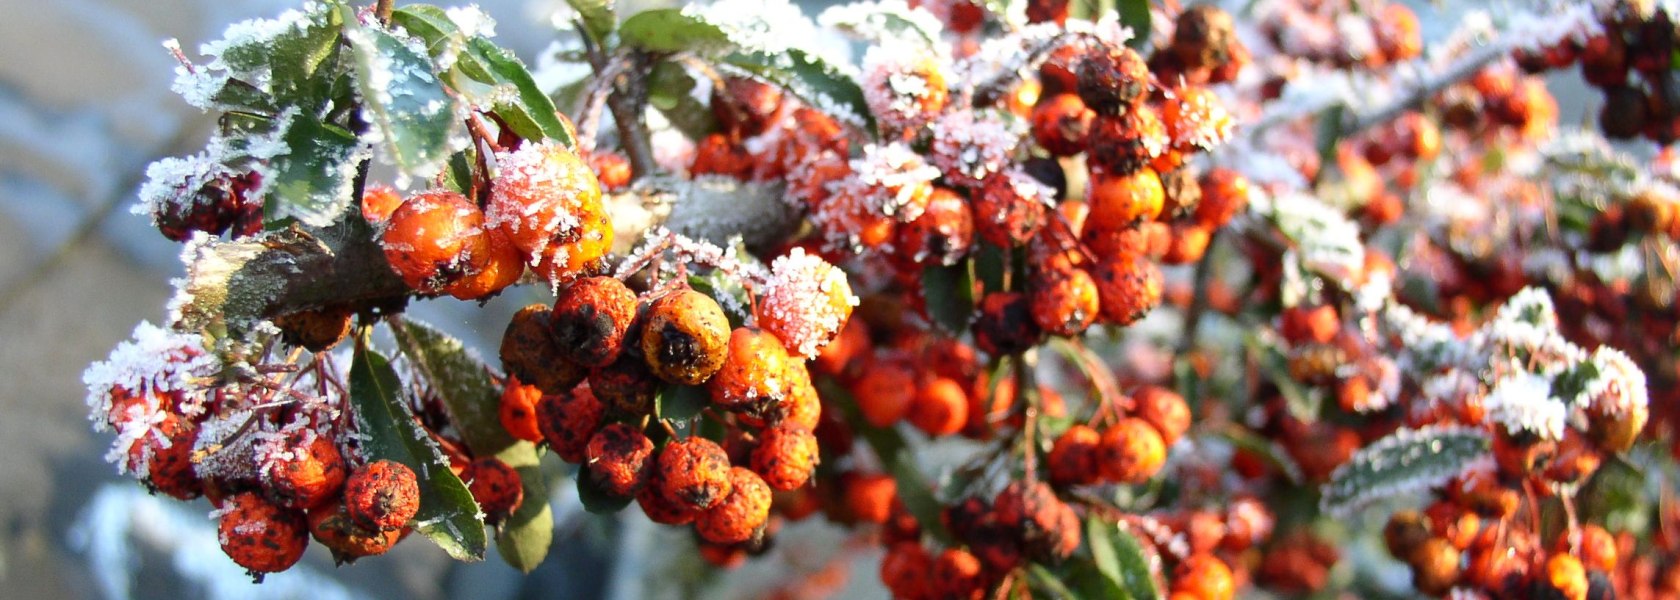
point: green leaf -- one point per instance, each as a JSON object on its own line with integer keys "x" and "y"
{"x": 1088, "y": 580}
{"x": 294, "y": 64}
{"x": 1099, "y": 536}
{"x": 429, "y": 23}
{"x": 1135, "y": 14}
{"x": 989, "y": 264}
{"x": 1406, "y": 460}
{"x": 1616, "y": 496}
{"x": 404, "y": 100}
{"x": 950, "y": 295}
{"x": 669, "y": 30}
{"x": 1303, "y": 403}
{"x": 595, "y": 499}
{"x": 875, "y": 22}
{"x": 524, "y": 538}
{"x": 311, "y": 180}
{"x": 458, "y": 172}
{"x": 1134, "y": 565}
{"x": 461, "y": 381}
{"x": 513, "y": 95}
{"x": 1049, "y": 584}
{"x": 1265, "y": 448}
{"x": 448, "y": 515}
{"x": 668, "y": 84}
{"x": 597, "y": 16}
{"x": 682, "y": 402}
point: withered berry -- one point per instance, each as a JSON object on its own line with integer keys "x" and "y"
{"x": 590, "y": 318}
{"x": 619, "y": 458}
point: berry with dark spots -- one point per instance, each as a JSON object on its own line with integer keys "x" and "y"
{"x": 694, "y": 472}
{"x": 619, "y": 458}
{"x": 568, "y": 420}
{"x": 590, "y": 319}
{"x": 383, "y": 495}
{"x": 686, "y": 337}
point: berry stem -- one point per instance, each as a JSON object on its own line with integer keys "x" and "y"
{"x": 627, "y": 102}
{"x": 382, "y": 10}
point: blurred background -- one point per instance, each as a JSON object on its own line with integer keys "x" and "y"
{"x": 85, "y": 105}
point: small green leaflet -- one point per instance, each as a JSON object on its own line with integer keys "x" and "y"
{"x": 669, "y": 30}
{"x": 311, "y": 180}
{"x": 950, "y": 295}
{"x": 1135, "y": 14}
{"x": 524, "y": 538}
{"x": 1120, "y": 557}
{"x": 448, "y": 515}
{"x": 597, "y": 16}
{"x": 404, "y": 100}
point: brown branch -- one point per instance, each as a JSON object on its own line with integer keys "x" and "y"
{"x": 382, "y": 10}
{"x": 626, "y": 102}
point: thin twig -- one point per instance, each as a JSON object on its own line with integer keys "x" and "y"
{"x": 626, "y": 102}
{"x": 382, "y": 10}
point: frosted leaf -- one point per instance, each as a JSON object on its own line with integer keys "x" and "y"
{"x": 472, "y": 21}
{"x": 1327, "y": 242}
{"x": 883, "y": 20}
{"x": 1407, "y": 461}
{"x": 715, "y": 207}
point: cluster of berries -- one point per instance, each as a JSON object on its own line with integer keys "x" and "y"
{"x": 276, "y": 454}
{"x": 597, "y": 376}
{"x": 222, "y": 203}
{"x": 1628, "y": 54}
{"x": 543, "y": 210}
{"x": 1342, "y": 34}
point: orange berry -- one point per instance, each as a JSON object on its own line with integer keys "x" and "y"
{"x": 1566, "y": 576}
{"x": 940, "y": 407}
{"x": 870, "y": 496}
{"x": 496, "y": 487}
{"x": 1314, "y": 324}
{"x": 745, "y": 106}
{"x": 1188, "y": 243}
{"x": 942, "y": 234}
{"x": 500, "y": 270}
{"x": 378, "y": 202}
{"x": 568, "y": 420}
{"x": 1598, "y": 549}
{"x": 382, "y": 495}
{"x": 518, "y": 410}
{"x": 611, "y": 169}
{"x": 750, "y": 379}
{"x": 1131, "y": 451}
{"x": 618, "y": 458}
{"x": 1405, "y": 532}
{"x": 905, "y": 569}
{"x": 1009, "y": 209}
{"x": 528, "y": 352}
{"x": 548, "y": 203}
{"x": 958, "y": 574}
{"x": 1060, "y": 124}
{"x": 1165, "y": 410}
{"x": 1224, "y": 194}
{"x": 1073, "y": 458}
{"x": 1435, "y": 567}
{"x": 1063, "y": 301}
{"x": 435, "y": 239}
{"x": 315, "y": 330}
{"x": 170, "y": 470}
{"x": 306, "y": 475}
{"x": 686, "y": 338}
{"x": 786, "y": 456}
{"x": 1196, "y": 119}
{"x": 885, "y": 391}
{"x": 658, "y": 508}
{"x": 1126, "y": 143}
{"x": 717, "y": 155}
{"x": 330, "y": 525}
{"x": 1112, "y": 80}
{"x": 1006, "y": 324}
{"x": 805, "y": 304}
{"x": 1118, "y": 200}
{"x": 590, "y": 318}
{"x": 740, "y": 514}
{"x": 626, "y": 385}
{"x": 260, "y": 536}
{"x": 1127, "y": 289}
{"x": 1204, "y": 576}
{"x": 695, "y": 473}
{"x": 1204, "y": 37}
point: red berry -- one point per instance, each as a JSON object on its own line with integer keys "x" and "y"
{"x": 383, "y": 495}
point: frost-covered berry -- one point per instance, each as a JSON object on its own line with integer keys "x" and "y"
{"x": 382, "y": 495}
{"x": 331, "y": 526}
{"x": 500, "y": 270}
{"x": 786, "y": 456}
{"x": 435, "y": 239}
{"x": 496, "y": 487}
{"x": 1131, "y": 452}
{"x": 619, "y": 458}
{"x": 590, "y": 318}
{"x": 169, "y": 468}
{"x": 378, "y": 202}
{"x": 528, "y": 351}
{"x": 904, "y": 87}
{"x": 306, "y": 471}
{"x": 805, "y": 303}
{"x": 694, "y": 472}
{"x": 1010, "y": 207}
{"x": 1196, "y": 119}
{"x": 568, "y": 420}
{"x": 751, "y": 376}
{"x": 548, "y": 203}
{"x": 261, "y": 536}
{"x": 738, "y": 515}
{"x": 686, "y": 337}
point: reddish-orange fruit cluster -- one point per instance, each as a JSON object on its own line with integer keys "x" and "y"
{"x": 547, "y": 202}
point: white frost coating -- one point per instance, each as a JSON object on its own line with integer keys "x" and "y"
{"x": 1523, "y": 401}
{"x": 1374, "y": 455}
{"x": 176, "y": 181}
{"x": 777, "y": 30}
{"x": 869, "y": 21}
{"x": 887, "y": 178}
{"x": 1617, "y": 387}
{"x": 970, "y": 145}
{"x": 244, "y": 36}
{"x": 799, "y": 299}
{"x": 134, "y": 391}
{"x": 901, "y": 81}
{"x": 472, "y": 21}
{"x": 1327, "y": 242}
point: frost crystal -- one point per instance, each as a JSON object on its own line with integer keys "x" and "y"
{"x": 887, "y": 180}
{"x": 145, "y": 379}
{"x": 872, "y": 21}
{"x": 903, "y": 84}
{"x": 1617, "y": 386}
{"x": 969, "y": 146}
{"x": 1523, "y": 401}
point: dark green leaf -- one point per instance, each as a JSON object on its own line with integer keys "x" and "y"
{"x": 682, "y": 402}
{"x": 594, "y": 498}
{"x": 523, "y": 539}
{"x": 1329, "y": 134}
{"x": 597, "y": 16}
{"x": 461, "y": 381}
{"x": 1088, "y": 580}
{"x": 513, "y": 95}
{"x": 1616, "y": 496}
{"x": 458, "y": 172}
{"x": 950, "y": 295}
{"x": 989, "y": 263}
{"x": 312, "y": 180}
{"x": 1135, "y": 14}
{"x": 295, "y": 66}
{"x": 1303, "y": 403}
{"x": 448, "y": 515}
{"x": 405, "y": 101}
{"x": 1134, "y": 565}
{"x": 668, "y": 85}
{"x": 1099, "y": 536}
{"x": 1047, "y": 583}
{"x": 1408, "y": 459}
{"x": 429, "y": 23}
{"x": 1265, "y": 448}
{"x": 669, "y": 30}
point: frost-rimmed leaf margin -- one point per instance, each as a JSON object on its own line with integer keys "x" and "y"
{"x": 388, "y": 431}
{"x": 1406, "y": 460}
{"x": 462, "y": 381}
{"x": 412, "y": 115}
